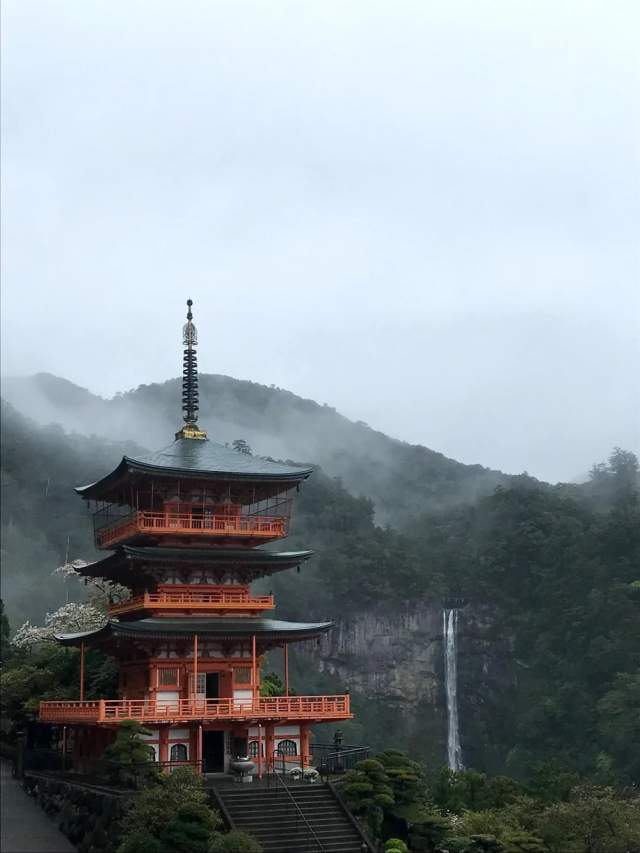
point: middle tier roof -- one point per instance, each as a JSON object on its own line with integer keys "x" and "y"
{"x": 129, "y": 564}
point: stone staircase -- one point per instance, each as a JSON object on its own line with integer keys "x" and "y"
{"x": 293, "y": 819}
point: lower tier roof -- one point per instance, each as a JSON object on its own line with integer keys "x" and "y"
{"x": 219, "y": 627}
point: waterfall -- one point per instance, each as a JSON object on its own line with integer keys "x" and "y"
{"x": 454, "y": 751}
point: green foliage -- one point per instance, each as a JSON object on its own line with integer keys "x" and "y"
{"x": 190, "y": 830}
{"x": 157, "y": 805}
{"x": 128, "y": 761}
{"x": 595, "y": 819}
{"x": 235, "y": 841}
{"x": 395, "y": 845}
{"x": 271, "y": 685}
{"x": 142, "y": 841}
{"x": 5, "y": 648}
{"x": 369, "y": 792}
{"x": 469, "y": 790}
{"x": 50, "y": 672}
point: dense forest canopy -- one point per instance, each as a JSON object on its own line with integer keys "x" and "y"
{"x": 557, "y": 568}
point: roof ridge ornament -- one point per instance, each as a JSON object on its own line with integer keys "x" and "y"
{"x": 190, "y": 380}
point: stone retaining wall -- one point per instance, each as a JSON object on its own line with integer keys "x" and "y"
{"x": 89, "y": 816}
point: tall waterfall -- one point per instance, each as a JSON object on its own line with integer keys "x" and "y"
{"x": 454, "y": 751}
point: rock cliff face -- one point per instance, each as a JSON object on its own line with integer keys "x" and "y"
{"x": 392, "y": 661}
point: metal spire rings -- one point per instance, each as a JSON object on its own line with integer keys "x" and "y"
{"x": 190, "y": 380}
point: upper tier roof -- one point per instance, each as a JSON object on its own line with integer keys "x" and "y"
{"x": 201, "y": 459}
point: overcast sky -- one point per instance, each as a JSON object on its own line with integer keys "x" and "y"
{"x": 425, "y": 214}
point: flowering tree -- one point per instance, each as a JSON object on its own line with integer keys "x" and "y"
{"x": 73, "y": 617}
{"x": 68, "y": 619}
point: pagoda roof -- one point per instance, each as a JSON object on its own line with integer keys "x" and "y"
{"x": 117, "y": 565}
{"x": 199, "y": 459}
{"x": 219, "y": 627}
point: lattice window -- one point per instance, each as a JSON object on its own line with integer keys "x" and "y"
{"x": 253, "y": 749}
{"x": 242, "y": 675}
{"x": 287, "y": 747}
{"x": 178, "y": 752}
{"x": 168, "y": 677}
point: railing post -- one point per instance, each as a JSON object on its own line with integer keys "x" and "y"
{"x": 101, "y": 710}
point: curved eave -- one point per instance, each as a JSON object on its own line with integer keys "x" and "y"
{"x": 220, "y": 628}
{"x": 265, "y": 562}
{"x": 131, "y": 466}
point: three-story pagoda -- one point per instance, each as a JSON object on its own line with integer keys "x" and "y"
{"x": 185, "y": 526}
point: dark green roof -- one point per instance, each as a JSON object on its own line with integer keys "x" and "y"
{"x": 219, "y": 627}
{"x": 118, "y": 566}
{"x": 200, "y": 458}
{"x": 213, "y": 555}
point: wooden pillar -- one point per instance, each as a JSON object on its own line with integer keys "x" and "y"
{"x": 260, "y": 742}
{"x": 200, "y": 768}
{"x": 254, "y": 669}
{"x": 195, "y": 667}
{"x": 269, "y": 748}
{"x": 163, "y": 744}
{"x": 304, "y": 744}
{"x": 82, "y": 671}
{"x": 286, "y": 669}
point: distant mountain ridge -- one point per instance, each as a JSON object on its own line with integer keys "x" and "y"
{"x": 402, "y": 479}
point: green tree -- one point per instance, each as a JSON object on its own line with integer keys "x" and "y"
{"x": 368, "y": 791}
{"x": 595, "y": 820}
{"x": 155, "y": 807}
{"x": 619, "y": 724}
{"x": 190, "y": 830}
{"x": 129, "y": 759}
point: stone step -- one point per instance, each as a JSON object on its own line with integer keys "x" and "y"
{"x": 274, "y": 820}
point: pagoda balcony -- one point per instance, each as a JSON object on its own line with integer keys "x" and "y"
{"x": 279, "y": 708}
{"x": 261, "y": 528}
{"x": 218, "y": 601}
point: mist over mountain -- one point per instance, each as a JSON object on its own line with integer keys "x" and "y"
{"x": 402, "y": 479}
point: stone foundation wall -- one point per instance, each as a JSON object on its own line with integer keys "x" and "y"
{"x": 89, "y": 817}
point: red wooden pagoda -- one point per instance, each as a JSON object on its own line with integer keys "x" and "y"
{"x": 184, "y": 526}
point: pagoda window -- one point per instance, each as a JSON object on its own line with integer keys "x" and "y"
{"x": 153, "y": 756}
{"x": 242, "y": 675}
{"x": 287, "y": 747}
{"x": 168, "y": 677}
{"x": 179, "y": 752}
{"x": 253, "y": 749}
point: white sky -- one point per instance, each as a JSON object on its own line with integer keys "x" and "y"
{"x": 422, "y": 213}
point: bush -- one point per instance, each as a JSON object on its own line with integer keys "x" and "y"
{"x": 176, "y": 804}
{"x": 190, "y": 831}
{"x": 234, "y": 842}
{"x": 395, "y": 845}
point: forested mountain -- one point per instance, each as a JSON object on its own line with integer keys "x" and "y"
{"x": 402, "y": 479}
{"x": 546, "y": 579}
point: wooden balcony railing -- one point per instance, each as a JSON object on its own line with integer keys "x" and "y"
{"x": 260, "y": 527}
{"x": 219, "y": 600}
{"x": 319, "y": 708}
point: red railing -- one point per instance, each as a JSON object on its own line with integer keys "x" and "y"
{"x": 218, "y": 600}
{"x": 179, "y": 523}
{"x": 152, "y": 710}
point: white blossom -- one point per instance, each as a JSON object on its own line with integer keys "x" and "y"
{"x": 69, "y": 619}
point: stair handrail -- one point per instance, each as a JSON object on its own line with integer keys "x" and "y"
{"x": 220, "y": 805}
{"x": 280, "y": 780}
{"x": 347, "y": 811}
